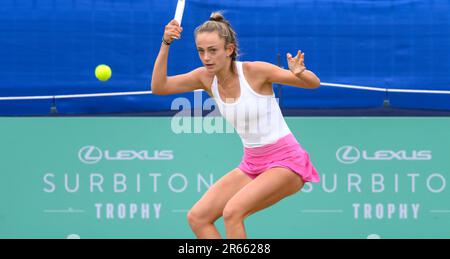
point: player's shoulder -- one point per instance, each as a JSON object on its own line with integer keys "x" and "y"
{"x": 256, "y": 66}
{"x": 203, "y": 73}
{"x": 204, "y": 76}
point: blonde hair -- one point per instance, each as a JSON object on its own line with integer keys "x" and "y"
{"x": 218, "y": 23}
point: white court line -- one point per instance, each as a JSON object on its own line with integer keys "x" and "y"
{"x": 393, "y": 90}
{"x": 69, "y": 210}
{"x": 17, "y": 98}
{"x": 419, "y": 91}
{"x": 322, "y": 211}
{"x": 107, "y": 94}
{"x": 356, "y": 87}
{"x": 26, "y": 98}
{"x": 101, "y": 94}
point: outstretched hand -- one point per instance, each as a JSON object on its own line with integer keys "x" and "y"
{"x": 296, "y": 64}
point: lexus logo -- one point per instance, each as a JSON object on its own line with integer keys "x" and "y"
{"x": 351, "y": 154}
{"x": 348, "y": 155}
{"x": 93, "y": 155}
{"x": 90, "y": 155}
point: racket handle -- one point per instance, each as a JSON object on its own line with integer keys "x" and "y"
{"x": 179, "y": 11}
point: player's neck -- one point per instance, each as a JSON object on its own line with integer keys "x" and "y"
{"x": 226, "y": 74}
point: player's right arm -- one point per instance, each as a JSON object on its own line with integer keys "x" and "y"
{"x": 161, "y": 83}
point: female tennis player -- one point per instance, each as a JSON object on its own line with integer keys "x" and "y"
{"x": 274, "y": 164}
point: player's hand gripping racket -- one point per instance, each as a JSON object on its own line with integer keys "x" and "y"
{"x": 173, "y": 28}
{"x": 179, "y": 13}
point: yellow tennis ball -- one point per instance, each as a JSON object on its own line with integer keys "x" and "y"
{"x": 103, "y": 72}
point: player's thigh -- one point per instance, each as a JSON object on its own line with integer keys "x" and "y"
{"x": 212, "y": 203}
{"x": 267, "y": 189}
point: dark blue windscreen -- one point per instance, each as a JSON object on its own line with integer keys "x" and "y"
{"x": 50, "y": 47}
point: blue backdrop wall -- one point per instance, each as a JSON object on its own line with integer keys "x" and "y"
{"x": 50, "y": 47}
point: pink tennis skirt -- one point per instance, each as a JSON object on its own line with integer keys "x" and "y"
{"x": 286, "y": 152}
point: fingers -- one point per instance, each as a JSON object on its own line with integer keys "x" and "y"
{"x": 176, "y": 35}
{"x": 176, "y": 26}
{"x": 299, "y": 56}
{"x": 289, "y": 57}
{"x": 298, "y": 59}
{"x": 174, "y": 22}
{"x": 173, "y": 30}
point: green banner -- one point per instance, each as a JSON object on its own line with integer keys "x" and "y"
{"x": 138, "y": 177}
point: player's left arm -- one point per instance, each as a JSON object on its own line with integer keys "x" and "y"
{"x": 297, "y": 75}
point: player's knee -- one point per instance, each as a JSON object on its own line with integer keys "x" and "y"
{"x": 197, "y": 219}
{"x": 232, "y": 213}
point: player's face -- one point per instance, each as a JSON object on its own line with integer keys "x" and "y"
{"x": 212, "y": 51}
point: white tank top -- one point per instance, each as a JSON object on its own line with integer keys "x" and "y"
{"x": 256, "y": 118}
